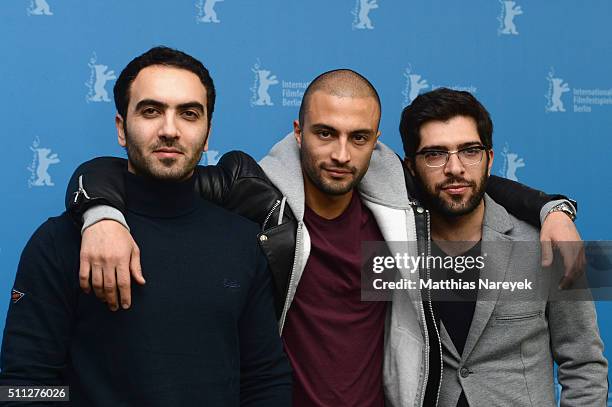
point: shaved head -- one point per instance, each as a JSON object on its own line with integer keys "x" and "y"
{"x": 341, "y": 83}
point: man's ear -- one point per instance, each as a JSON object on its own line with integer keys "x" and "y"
{"x": 410, "y": 165}
{"x": 205, "y": 148}
{"x": 119, "y": 124}
{"x": 490, "y": 154}
{"x": 297, "y": 132}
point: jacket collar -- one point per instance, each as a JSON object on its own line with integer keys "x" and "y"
{"x": 496, "y": 219}
{"x": 383, "y": 182}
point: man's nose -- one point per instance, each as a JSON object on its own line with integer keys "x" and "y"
{"x": 169, "y": 128}
{"x": 454, "y": 166}
{"x": 341, "y": 153}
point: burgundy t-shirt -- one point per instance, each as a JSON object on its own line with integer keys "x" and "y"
{"x": 334, "y": 340}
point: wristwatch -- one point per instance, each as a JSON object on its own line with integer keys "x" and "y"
{"x": 565, "y": 208}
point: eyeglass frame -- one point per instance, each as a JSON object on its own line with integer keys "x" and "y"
{"x": 449, "y": 153}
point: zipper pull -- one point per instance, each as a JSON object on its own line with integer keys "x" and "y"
{"x": 81, "y": 190}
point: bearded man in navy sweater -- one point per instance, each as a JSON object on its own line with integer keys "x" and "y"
{"x": 204, "y": 331}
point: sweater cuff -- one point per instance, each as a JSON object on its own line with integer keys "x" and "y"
{"x": 548, "y": 206}
{"x": 102, "y": 212}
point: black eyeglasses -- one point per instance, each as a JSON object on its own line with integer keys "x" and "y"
{"x": 468, "y": 156}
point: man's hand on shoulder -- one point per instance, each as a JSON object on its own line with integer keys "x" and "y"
{"x": 559, "y": 230}
{"x": 109, "y": 255}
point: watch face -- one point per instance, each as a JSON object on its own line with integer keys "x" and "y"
{"x": 567, "y": 210}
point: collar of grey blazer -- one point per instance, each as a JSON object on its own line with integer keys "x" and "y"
{"x": 383, "y": 183}
{"x": 496, "y": 219}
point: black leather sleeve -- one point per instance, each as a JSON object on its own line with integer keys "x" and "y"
{"x": 249, "y": 192}
{"x": 100, "y": 181}
{"x": 520, "y": 200}
{"x": 237, "y": 183}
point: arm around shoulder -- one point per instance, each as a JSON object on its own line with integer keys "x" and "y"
{"x": 96, "y": 182}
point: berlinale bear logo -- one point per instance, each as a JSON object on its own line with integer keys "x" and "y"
{"x": 362, "y": 14}
{"x": 509, "y": 11}
{"x": 263, "y": 80}
{"x": 99, "y": 76}
{"x": 512, "y": 162}
{"x": 206, "y": 11}
{"x": 39, "y": 168}
{"x": 414, "y": 85}
{"x": 556, "y": 89}
{"x": 39, "y": 8}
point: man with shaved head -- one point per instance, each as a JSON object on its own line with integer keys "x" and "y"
{"x": 320, "y": 192}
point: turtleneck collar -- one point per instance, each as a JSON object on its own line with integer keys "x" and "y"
{"x": 159, "y": 198}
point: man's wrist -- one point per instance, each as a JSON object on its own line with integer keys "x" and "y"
{"x": 566, "y": 208}
{"x": 561, "y": 205}
{"x": 102, "y": 212}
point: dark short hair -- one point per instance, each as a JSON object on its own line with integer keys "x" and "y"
{"x": 166, "y": 57}
{"x": 442, "y": 104}
{"x": 339, "y": 82}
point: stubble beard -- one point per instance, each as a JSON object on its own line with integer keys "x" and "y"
{"x": 166, "y": 169}
{"x": 334, "y": 188}
{"x": 432, "y": 197}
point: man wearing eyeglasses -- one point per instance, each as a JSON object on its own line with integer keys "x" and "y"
{"x": 498, "y": 346}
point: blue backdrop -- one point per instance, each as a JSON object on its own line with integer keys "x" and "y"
{"x": 541, "y": 68}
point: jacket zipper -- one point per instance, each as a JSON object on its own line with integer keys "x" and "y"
{"x": 81, "y": 190}
{"x": 426, "y": 358}
{"x": 291, "y": 276}
{"x": 428, "y": 242}
{"x": 263, "y": 227}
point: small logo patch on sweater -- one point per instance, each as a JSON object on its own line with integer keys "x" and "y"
{"x": 231, "y": 284}
{"x": 16, "y": 295}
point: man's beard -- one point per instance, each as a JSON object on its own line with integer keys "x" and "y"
{"x": 336, "y": 188}
{"x": 168, "y": 169}
{"x": 432, "y": 199}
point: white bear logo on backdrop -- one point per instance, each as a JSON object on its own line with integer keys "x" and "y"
{"x": 39, "y": 8}
{"x": 206, "y": 11}
{"x": 261, "y": 84}
{"x": 509, "y": 10}
{"x": 512, "y": 162}
{"x": 39, "y": 168}
{"x": 99, "y": 75}
{"x": 414, "y": 85}
{"x": 556, "y": 88}
{"x": 361, "y": 14}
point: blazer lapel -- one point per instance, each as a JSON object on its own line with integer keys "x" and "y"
{"x": 447, "y": 342}
{"x": 497, "y": 248}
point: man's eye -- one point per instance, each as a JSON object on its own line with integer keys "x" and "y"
{"x": 191, "y": 115}
{"x": 434, "y": 154}
{"x": 471, "y": 152}
{"x": 324, "y": 134}
{"x": 360, "y": 139}
{"x": 150, "y": 112}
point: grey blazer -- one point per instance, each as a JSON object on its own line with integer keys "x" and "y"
{"x": 515, "y": 336}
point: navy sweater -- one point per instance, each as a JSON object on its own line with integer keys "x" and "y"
{"x": 201, "y": 332}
